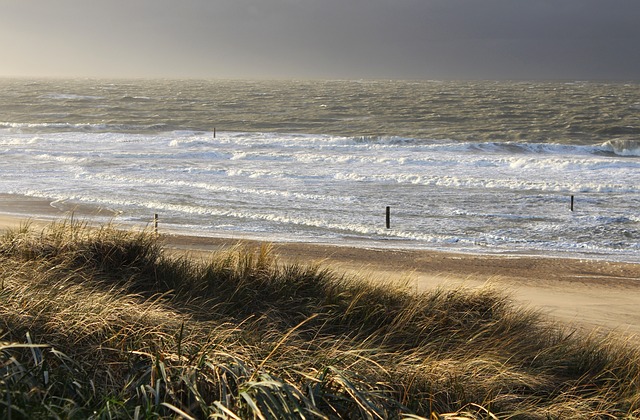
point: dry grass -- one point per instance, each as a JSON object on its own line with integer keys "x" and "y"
{"x": 100, "y": 323}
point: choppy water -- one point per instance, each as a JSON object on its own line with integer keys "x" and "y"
{"x": 469, "y": 166}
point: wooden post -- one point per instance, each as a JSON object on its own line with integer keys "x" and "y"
{"x": 155, "y": 223}
{"x": 388, "y": 217}
{"x": 214, "y": 132}
{"x": 571, "y": 203}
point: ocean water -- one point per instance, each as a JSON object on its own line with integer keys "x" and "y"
{"x": 483, "y": 167}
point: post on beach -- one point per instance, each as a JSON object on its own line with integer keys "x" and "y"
{"x": 388, "y": 217}
{"x": 572, "y": 200}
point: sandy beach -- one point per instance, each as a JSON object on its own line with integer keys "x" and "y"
{"x": 584, "y": 294}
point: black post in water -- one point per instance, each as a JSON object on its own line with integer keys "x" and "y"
{"x": 155, "y": 223}
{"x": 214, "y": 132}
{"x": 571, "y": 203}
{"x": 388, "y": 217}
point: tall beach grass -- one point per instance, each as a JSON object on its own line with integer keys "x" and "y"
{"x": 104, "y": 323}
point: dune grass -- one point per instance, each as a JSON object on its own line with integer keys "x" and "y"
{"x": 103, "y": 323}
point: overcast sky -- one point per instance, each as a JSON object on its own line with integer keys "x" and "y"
{"x": 391, "y": 39}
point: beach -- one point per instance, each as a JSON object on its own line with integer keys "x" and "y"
{"x": 469, "y": 167}
{"x": 585, "y": 294}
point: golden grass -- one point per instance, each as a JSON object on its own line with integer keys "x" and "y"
{"x": 101, "y": 323}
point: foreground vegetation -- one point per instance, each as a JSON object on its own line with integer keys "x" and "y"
{"x": 102, "y": 323}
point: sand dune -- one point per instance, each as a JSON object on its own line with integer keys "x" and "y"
{"x": 586, "y": 294}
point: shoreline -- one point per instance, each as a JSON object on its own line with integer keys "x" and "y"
{"x": 583, "y": 293}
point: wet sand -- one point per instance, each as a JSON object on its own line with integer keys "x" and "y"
{"x": 585, "y": 294}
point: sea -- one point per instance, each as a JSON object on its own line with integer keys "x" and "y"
{"x": 466, "y": 166}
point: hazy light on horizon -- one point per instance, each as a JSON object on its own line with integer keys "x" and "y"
{"x": 403, "y": 39}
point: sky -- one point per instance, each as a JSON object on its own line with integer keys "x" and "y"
{"x": 322, "y": 39}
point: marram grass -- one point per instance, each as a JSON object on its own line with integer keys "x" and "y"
{"x": 102, "y": 323}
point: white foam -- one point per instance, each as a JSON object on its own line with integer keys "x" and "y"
{"x": 489, "y": 196}
{"x": 70, "y": 96}
{"x": 622, "y": 147}
{"x": 18, "y": 141}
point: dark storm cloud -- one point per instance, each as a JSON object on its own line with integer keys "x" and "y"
{"x": 490, "y": 39}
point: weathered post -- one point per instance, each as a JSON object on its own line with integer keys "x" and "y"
{"x": 214, "y": 132}
{"x": 572, "y": 203}
{"x": 155, "y": 223}
{"x": 388, "y": 217}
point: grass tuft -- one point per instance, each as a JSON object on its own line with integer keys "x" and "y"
{"x": 101, "y": 323}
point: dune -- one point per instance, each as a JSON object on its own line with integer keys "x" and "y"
{"x": 584, "y": 293}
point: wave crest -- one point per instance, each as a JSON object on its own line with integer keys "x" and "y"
{"x": 622, "y": 147}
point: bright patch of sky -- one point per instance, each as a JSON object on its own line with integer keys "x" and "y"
{"x": 399, "y": 39}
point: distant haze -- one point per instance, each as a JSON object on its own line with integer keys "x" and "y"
{"x": 280, "y": 39}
